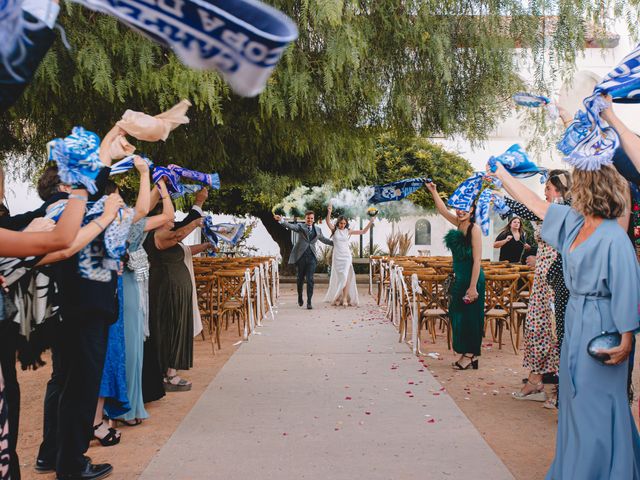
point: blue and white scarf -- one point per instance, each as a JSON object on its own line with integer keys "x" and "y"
{"x": 13, "y": 41}
{"x": 530, "y": 100}
{"x": 467, "y": 192}
{"x": 230, "y": 233}
{"x": 77, "y": 158}
{"x": 185, "y": 189}
{"x": 127, "y": 164}
{"x": 98, "y": 260}
{"x": 515, "y": 160}
{"x": 241, "y": 39}
{"x": 489, "y": 201}
{"x": 395, "y": 191}
{"x": 597, "y": 147}
{"x": 172, "y": 180}
{"x": 210, "y": 179}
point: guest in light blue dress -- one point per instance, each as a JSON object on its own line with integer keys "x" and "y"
{"x": 597, "y": 437}
{"x": 135, "y": 279}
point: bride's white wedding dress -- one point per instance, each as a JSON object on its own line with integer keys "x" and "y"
{"x": 342, "y": 271}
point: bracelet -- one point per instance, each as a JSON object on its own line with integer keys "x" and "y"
{"x": 77, "y": 197}
{"x": 98, "y": 223}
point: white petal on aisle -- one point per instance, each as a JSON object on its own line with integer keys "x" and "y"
{"x": 325, "y": 394}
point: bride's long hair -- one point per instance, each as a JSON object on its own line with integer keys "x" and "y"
{"x": 341, "y": 218}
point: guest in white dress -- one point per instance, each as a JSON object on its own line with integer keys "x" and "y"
{"x": 342, "y": 285}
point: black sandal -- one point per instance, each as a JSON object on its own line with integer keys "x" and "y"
{"x": 182, "y": 385}
{"x": 472, "y": 364}
{"x": 129, "y": 423}
{"x": 110, "y": 439}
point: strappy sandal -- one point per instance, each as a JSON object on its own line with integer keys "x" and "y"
{"x": 182, "y": 386}
{"x": 472, "y": 364}
{"x": 538, "y": 395}
{"x": 110, "y": 439}
{"x": 129, "y": 423}
{"x": 552, "y": 402}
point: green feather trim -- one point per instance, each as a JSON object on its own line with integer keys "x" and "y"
{"x": 455, "y": 242}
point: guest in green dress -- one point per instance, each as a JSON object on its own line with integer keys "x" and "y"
{"x": 466, "y": 308}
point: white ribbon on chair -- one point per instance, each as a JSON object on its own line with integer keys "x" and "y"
{"x": 265, "y": 282}
{"x": 274, "y": 292}
{"x": 246, "y": 293}
{"x": 259, "y": 309}
{"x": 276, "y": 278}
{"x": 415, "y": 340}
{"x": 372, "y": 262}
{"x": 404, "y": 293}
{"x": 391, "y": 301}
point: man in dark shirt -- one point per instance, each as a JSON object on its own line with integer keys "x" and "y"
{"x": 87, "y": 308}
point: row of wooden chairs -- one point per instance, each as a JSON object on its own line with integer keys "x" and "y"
{"x": 235, "y": 290}
{"x": 413, "y": 288}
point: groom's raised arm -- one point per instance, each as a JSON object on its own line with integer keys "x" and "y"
{"x": 289, "y": 226}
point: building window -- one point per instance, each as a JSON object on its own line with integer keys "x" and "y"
{"x": 423, "y": 232}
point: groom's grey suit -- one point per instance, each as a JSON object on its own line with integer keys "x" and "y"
{"x": 303, "y": 255}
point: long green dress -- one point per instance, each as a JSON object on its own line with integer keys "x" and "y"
{"x": 467, "y": 320}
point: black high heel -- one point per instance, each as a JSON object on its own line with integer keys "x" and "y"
{"x": 472, "y": 364}
{"x": 110, "y": 439}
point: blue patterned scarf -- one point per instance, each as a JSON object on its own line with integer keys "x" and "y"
{"x": 185, "y": 189}
{"x": 77, "y": 158}
{"x": 127, "y": 164}
{"x": 515, "y": 161}
{"x": 395, "y": 191}
{"x": 102, "y": 256}
{"x": 489, "y": 201}
{"x": 241, "y": 39}
{"x": 596, "y": 146}
{"x": 172, "y": 180}
{"x": 230, "y": 233}
{"x": 210, "y": 179}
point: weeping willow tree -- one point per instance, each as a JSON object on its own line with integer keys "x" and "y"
{"x": 359, "y": 68}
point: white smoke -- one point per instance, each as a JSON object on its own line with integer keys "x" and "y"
{"x": 352, "y": 203}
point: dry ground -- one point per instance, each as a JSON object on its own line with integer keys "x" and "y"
{"x": 521, "y": 433}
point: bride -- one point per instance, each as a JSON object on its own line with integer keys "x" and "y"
{"x": 342, "y": 285}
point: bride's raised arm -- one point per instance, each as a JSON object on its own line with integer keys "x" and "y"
{"x": 329, "y": 224}
{"x": 364, "y": 230}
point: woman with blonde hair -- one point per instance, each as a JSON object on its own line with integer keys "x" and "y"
{"x": 597, "y": 437}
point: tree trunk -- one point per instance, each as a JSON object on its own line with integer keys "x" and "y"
{"x": 281, "y": 236}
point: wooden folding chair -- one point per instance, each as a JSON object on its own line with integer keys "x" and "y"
{"x": 230, "y": 301}
{"x": 499, "y": 295}
{"x": 433, "y": 305}
{"x": 206, "y": 288}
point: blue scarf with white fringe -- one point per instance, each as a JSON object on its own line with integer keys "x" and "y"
{"x": 589, "y": 143}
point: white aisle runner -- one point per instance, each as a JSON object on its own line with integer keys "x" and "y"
{"x": 327, "y": 394}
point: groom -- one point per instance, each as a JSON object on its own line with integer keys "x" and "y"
{"x": 303, "y": 254}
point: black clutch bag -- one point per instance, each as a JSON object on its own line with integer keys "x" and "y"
{"x": 604, "y": 341}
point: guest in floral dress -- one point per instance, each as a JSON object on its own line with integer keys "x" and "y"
{"x": 541, "y": 346}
